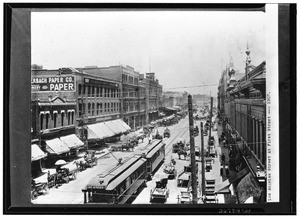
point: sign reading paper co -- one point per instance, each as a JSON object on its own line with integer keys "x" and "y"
{"x": 52, "y": 84}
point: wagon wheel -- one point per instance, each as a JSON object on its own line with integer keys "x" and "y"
{"x": 74, "y": 175}
{"x": 67, "y": 179}
{"x": 46, "y": 187}
{"x": 32, "y": 194}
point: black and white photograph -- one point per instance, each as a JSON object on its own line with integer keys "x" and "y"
{"x": 154, "y": 107}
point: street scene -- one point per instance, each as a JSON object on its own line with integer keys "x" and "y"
{"x": 169, "y": 112}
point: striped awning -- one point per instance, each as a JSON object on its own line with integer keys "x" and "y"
{"x": 37, "y": 153}
{"x": 72, "y": 141}
{"x": 56, "y": 146}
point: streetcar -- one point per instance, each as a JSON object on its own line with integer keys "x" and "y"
{"x": 117, "y": 185}
{"x": 155, "y": 155}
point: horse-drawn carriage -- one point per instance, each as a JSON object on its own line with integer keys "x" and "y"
{"x": 160, "y": 193}
{"x": 121, "y": 146}
{"x": 38, "y": 188}
{"x": 185, "y": 197}
{"x": 170, "y": 171}
{"x": 90, "y": 158}
{"x": 64, "y": 173}
{"x": 196, "y": 131}
{"x": 157, "y": 135}
{"x": 179, "y": 145}
{"x": 167, "y": 133}
{"x": 211, "y": 141}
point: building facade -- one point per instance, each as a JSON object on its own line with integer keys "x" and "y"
{"x": 53, "y": 112}
{"x": 138, "y": 94}
{"x": 154, "y": 95}
{"x": 242, "y": 110}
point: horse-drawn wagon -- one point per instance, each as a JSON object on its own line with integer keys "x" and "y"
{"x": 167, "y": 133}
{"x": 160, "y": 193}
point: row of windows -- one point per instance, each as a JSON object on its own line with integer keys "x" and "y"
{"x": 97, "y": 91}
{"x": 130, "y": 79}
{"x": 130, "y": 107}
{"x": 94, "y": 109}
{"x": 45, "y": 120}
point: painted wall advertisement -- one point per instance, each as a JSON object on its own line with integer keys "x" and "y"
{"x": 52, "y": 84}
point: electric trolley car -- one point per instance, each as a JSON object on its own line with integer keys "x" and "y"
{"x": 155, "y": 155}
{"x": 118, "y": 185}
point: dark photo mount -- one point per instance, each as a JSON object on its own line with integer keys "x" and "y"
{"x": 17, "y": 95}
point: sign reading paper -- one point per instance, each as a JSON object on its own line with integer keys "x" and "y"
{"x": 52, "y": 84}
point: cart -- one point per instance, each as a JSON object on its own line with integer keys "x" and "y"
{"x": 160, "y": 193}
{"x": 90, "y": 158}
{"x": 167, "y": 133}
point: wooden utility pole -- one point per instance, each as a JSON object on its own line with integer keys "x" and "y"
{"x": 211, "y": 106}
{"x": 202, "y": 162}
{"x": 192, "y": 149}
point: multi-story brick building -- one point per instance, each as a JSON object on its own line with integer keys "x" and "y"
{"x": 140, "y": 96}
{"x": 154, "y": 95}
{"x": 93, "y": 99}
{"x": 131, "y": 108}
{"x": 242, "y": 108}
{"x": 53, "y": 116}
{"x": 53, "y": 111}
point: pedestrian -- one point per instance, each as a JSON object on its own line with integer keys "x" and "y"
{"x": 150, "y": 138}
{"x": 223, "y": 158}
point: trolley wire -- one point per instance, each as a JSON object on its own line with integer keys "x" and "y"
{"x": 136, "y": 91}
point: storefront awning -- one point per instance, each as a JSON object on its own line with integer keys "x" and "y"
{"x": 123, "y": 124}
{"x": 248, "y": 187}
{"x": 223, "y": 187}
{"x": 114, "y": 127}
{"x": 97, "y": 132}
{"x": 37, "y": 153}
{"x": 72, "y": 141}
{"x": 56, "y": 146}
{"x": 105, "y": 129}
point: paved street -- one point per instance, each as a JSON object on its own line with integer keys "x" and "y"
{"x": 181, "y": 130}
{"x": 70, "y": 193}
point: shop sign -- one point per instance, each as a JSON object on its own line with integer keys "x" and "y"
{"x": 53, "y": 83}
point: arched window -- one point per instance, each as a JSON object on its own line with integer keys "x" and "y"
{"x": 47, "y": 120}
{"x": 62, "y": 118}
{"x": 54, "y": 119}
{"x": 42, "y": 121}
{"x": 69, "y": 118}
{"x": 72, "y": 117}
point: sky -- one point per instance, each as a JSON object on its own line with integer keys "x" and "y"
{"x": 183, "y": 48}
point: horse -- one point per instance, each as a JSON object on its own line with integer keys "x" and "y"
{"x": 182, "y": 152}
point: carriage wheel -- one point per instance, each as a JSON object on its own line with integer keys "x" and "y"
{"x": 74, "y": 175}
{"x": 32, "y": 195}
